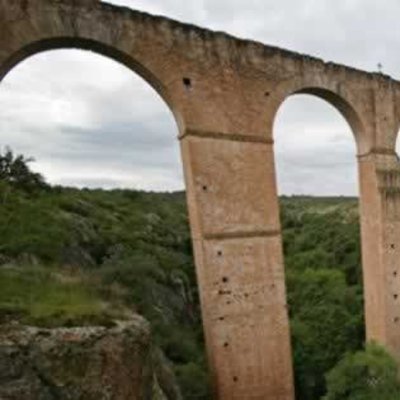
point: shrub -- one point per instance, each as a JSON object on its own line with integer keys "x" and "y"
{"x": 366, "y": 375}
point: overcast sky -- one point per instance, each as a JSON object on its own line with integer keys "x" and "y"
{"x": 91, "y": 122}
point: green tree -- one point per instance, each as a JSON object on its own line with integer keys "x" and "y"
{"x": 366, "y": 375}
{"x": 14, "y": 169}
{"x": 326, "y": 322}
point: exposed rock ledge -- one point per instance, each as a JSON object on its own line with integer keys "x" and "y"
{"x": 88, "y": 363}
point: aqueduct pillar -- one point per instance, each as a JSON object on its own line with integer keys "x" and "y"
{"x": 236, "y": 233}
{"x": 224, "y": 93}
{"x": 379, "y": 172}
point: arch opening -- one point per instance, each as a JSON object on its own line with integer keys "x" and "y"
{"x": 317, "y": 180}
{"x": 345, "y": 109}
{"x": 320, "y": 133}
{"x": 67, "y": 126}
{"x": 82, "y": 103}
{"x": 335, "y": 101}
{"x": 94, "y": 46}
{"x": 397, "y": 143}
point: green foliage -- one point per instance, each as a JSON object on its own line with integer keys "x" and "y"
{"x": 194, "y": 381}
{"x": 15, "y": 171}
{"x": 132, "y": 251}
{"x": 133, "y": 247}
{"x": 326, "y": 321}
{"x": 322, "y": 257}
{"x": 366, "y": 375}
{"x": 322, "y": 233}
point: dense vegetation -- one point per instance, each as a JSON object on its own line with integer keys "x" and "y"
{"x": 365, "y": 375}
{"x": 70, "y": 256}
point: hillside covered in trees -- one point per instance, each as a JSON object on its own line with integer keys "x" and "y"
{"x": 72, "y": 257}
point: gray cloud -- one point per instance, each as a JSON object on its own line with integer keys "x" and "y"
{"x": 105, "y": 128}
{"x": 89, "y": 121}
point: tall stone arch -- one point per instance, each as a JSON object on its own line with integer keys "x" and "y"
{"x": 224, "y": 93}
{"x": 370, "y": 104}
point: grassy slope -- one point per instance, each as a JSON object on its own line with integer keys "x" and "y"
{"x": 42, "y": 296}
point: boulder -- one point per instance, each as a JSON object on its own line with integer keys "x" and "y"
{"x": 83, "y": 363}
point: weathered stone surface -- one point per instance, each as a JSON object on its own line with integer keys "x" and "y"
{"x": 224, "y": 93}
{"x": 90, "y": 363}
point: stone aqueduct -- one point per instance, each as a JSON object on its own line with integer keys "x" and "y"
{"x": 224, "y": 94}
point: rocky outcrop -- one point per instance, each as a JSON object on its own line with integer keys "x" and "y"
{"x": 90, "y": 363}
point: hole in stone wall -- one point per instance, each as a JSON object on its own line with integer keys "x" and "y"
{"x": 187, "y": 82}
